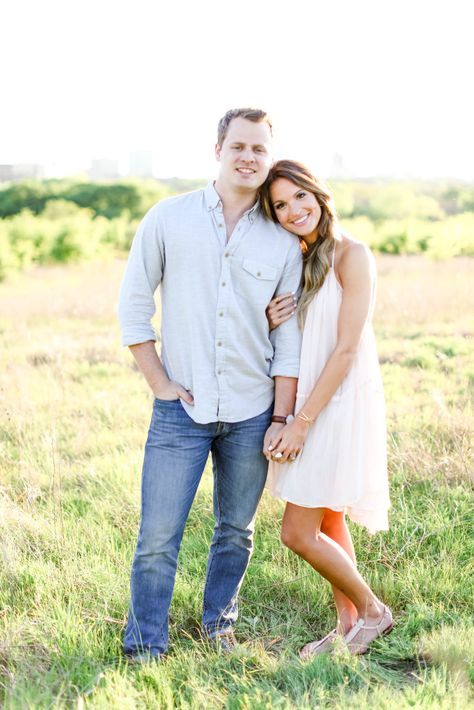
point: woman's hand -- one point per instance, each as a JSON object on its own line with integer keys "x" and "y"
{"x": 290, "y": 442}
{"x": 280, "y": 309}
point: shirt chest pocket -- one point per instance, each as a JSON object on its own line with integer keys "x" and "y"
{"x": 255, "y": 281}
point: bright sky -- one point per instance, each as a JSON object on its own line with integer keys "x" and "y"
{"x": 387, "y": 84}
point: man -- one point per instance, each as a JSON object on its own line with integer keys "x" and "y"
{"x": 218, "y": 262}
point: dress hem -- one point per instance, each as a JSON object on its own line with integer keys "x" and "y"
{"x": 354, "y": 513}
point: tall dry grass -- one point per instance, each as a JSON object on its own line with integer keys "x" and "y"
{"x": 74, "y": 413}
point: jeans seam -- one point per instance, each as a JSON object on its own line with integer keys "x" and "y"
{"x": 217, "y": 543}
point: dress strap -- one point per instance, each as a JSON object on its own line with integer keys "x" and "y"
{"x": 333, "y": 255}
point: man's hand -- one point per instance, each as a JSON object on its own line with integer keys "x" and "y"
{"x": 173, "y": 390}
{"x": 150, "y": 364}
{"x": 272, "y": 439}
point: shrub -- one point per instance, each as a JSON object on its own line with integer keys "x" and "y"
{"x": 65, "y": 220}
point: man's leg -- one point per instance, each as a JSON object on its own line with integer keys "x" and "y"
{"x": 175, "y": 456}
{"x": 240, "y": 471}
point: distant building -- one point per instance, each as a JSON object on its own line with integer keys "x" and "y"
{"x": 21, "y": 171}
{"x": 141, "y": 164}
{"x": 6, "y": 173}
{"x": 104, "y": 169}
{"x": 338, "y": 168}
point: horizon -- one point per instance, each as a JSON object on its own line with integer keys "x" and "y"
{"x": 82, "y": 176}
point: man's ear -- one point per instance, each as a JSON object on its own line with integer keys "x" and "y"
{"x": 217, "y": 150}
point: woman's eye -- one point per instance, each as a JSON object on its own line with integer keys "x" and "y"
{"x": 278, "y": 206}
{"x": 300, "y": 195}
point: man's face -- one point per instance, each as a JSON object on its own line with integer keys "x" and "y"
{"x": 245, "y": 155}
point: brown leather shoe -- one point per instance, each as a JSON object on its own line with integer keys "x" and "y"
{"x": 142, "y": 659}
{"x": 226, "y": 641}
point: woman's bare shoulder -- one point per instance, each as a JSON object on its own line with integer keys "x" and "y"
{"x": 353, "y": 257}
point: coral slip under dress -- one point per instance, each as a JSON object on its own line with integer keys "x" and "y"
{"x": 343, "y": 464}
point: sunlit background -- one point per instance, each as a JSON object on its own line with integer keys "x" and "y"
{"x": 356, "y": 89}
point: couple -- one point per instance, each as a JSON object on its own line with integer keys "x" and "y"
{"x": 228, "y": 264}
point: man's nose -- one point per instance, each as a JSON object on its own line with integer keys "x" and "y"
{"x": 247, "y": 155}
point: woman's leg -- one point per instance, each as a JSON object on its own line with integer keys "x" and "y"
{"x": 301, "y": 532}
{"x": 334, "y": 526}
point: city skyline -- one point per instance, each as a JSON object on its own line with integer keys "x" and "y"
{"x": 112, "y": 169}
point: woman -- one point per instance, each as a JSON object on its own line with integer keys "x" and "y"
{"x": 331, "y": 457}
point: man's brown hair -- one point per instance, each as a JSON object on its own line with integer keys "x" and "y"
{"x": 251, "y": 114}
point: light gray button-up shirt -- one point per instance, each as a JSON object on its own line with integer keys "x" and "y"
{"x": 214, "y": 333}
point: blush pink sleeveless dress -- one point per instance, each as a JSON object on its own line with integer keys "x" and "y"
{"x": 343, "y": 465}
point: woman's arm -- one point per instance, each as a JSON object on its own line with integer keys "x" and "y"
{"x": 356, "y": 274}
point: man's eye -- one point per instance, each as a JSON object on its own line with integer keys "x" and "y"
{"x": 260, "y": 150}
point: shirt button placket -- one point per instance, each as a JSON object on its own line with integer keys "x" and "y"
{"x": 220, "y": 320}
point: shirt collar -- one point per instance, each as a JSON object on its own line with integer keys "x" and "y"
{"x": 213, "y": 201}
{"x": 211, "y": 197}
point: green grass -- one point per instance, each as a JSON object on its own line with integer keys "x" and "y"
{"x": 74, "y": 413}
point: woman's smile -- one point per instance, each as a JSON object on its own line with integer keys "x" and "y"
{"x": 301, "y": 220}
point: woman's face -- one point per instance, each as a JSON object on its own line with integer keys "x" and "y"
{"x": 296, "y": 209}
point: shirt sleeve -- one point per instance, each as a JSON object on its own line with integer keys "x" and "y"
{"x": 143, "y": 274}
{"x": 286, "y": 338}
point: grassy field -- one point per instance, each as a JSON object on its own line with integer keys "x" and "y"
{"x": 74, "y": 413}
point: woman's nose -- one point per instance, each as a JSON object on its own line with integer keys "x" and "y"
{"x": 294, "y": 209}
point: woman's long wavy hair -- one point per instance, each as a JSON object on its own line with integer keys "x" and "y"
{"x": 317, "y": 257}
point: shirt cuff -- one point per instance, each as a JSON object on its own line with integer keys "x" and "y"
{"x": 285, "y": 369}
{"x": 138, "y": 336}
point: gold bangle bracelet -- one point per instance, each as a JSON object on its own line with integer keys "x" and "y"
{"x": 305, "y": 418}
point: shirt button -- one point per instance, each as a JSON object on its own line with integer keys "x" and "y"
{"x": 219, "y": 343}
{"x": 219, "y": 372}
{"x": 223, "y": 283}
{"x": 221, "y": 313}
{"x": 259, "y": 273}
{"x": 220, "y": 225}
{"x": 226, "y": 254}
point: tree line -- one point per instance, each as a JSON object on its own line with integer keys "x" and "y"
{"x": 68, "y": 220}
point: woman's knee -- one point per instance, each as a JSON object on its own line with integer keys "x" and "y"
{"x": 294, "y": 538}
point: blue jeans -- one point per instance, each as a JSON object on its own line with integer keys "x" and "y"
{"x": 175, "y": 456}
